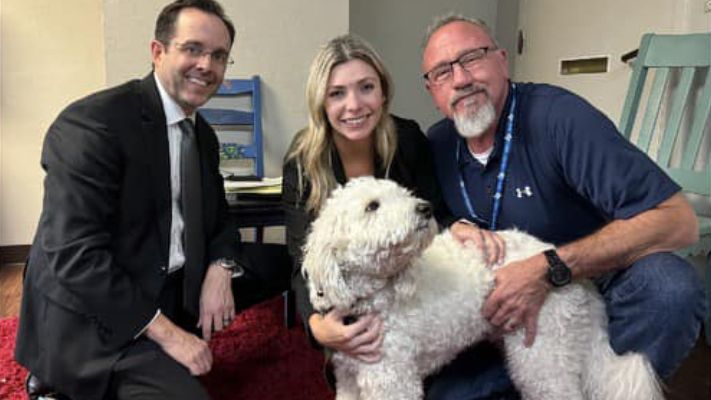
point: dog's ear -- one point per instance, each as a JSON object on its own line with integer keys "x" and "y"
{"x": 327, "y": 286}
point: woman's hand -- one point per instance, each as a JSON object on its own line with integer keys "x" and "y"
{"x": 490, "y": 243}
{"x": 360, "y": 339}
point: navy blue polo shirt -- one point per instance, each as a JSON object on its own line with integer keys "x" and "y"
{"x": 570, "y": 171}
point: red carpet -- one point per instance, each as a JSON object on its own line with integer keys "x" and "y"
{"x": 257, "y": 358}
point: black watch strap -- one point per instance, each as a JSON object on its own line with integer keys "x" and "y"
{"x": 559, "y": 274}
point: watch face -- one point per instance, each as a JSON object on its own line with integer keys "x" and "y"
{"x": 559, "y": 275}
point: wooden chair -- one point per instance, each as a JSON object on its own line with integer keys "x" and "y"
{"x": 674, "y": 129}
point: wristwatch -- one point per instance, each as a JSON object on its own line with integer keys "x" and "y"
{"x": 559, "y": 273}
{"x": 231, "y": 265}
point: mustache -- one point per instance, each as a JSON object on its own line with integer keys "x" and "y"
{"x": 467, "y": 91}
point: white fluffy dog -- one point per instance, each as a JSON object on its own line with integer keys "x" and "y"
{"x": 372, "y": 250}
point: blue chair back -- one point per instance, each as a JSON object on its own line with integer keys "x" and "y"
{"x": 224, "y": 117}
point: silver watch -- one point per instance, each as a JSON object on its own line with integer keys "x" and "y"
{"x": 231, "y": 265}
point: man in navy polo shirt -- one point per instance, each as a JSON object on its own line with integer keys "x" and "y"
{"x": 543, "y": 160}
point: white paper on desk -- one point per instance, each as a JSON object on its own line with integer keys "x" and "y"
{"x": 265, "y": 183}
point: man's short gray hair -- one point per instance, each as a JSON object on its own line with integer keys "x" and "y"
{"x": 442, "y": 20}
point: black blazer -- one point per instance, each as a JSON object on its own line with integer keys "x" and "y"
{"x": 412, "y": 167}
{"x": 100, "y": 254}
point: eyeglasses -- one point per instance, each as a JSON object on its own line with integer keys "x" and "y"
{"x": 196, "y": 51}
{"x": 444, "y": 72}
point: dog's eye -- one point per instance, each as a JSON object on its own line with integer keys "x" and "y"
{"x": 372, "y": 206}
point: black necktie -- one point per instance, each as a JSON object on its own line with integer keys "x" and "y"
{"x": 191, "y": 202}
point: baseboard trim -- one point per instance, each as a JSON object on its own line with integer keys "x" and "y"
{"x": 14, "y": 254}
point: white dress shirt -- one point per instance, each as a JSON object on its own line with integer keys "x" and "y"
{"x": 173, "y": 115}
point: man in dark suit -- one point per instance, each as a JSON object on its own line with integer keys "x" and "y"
{"x": 134, "y": 257}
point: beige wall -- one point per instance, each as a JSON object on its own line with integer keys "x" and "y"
{"x": 579, "y": 28}
{"x": 51, "y": 53}
{"x": 507, "y": 28}
{"x": 276, "y": 39}
{"x": 56, "y": 51}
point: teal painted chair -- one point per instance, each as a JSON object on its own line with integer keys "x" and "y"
{"x": 674, "y": 127}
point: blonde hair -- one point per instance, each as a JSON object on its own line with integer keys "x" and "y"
{"x": 313, "y": 145}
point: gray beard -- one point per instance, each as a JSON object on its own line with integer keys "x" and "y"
{"x": 473, "y": 125}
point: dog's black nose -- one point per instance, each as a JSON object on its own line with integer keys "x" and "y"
{"x": 425, "y": 209}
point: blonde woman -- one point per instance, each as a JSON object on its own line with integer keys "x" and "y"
{"x": 351, "y": 134}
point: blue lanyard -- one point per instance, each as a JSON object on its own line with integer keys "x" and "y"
{"x": 501, "y": 177}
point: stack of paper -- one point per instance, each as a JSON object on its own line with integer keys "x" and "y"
{"x": 263, "y": 186}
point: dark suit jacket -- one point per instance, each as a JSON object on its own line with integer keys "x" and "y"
{"x": 100, "y": 253}
{"x": 411, "y": 167}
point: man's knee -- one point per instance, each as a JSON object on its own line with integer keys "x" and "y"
{"x": 655, "y": 307}
{"x": 671, "y": 285}
{"x": 145, "y": 372}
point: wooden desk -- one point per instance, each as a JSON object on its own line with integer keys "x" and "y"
{"x": 250, "y": 210}
{"x": 257, "y": 211}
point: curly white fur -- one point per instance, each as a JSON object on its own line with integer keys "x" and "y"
{"x": 373, "y": 248}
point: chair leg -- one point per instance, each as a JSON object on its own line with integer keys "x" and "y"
{"x": 289, "y": 308}
{"x": 259, "y": 234}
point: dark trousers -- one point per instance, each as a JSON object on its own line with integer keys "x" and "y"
{"x": 146, "y": 372}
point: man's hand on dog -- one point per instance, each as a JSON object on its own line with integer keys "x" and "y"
{"x": 490, "y": 244}
{"x": 359, "y": 339}
{"x": 519, "y": 292}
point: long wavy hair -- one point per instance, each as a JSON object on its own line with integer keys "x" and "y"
{"x": 313, "y": 145}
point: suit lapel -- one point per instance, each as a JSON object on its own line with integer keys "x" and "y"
{"x": 155, "y": 138}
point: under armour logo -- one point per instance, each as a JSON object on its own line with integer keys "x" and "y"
{"x": 526, "y": 191}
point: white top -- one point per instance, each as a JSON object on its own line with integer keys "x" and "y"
{"x": 483, "y": 158}
{"x": 173, "y": 115}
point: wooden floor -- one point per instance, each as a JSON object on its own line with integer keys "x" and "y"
{"x": 691, "y": 382}
{"x": 10, "y": 289}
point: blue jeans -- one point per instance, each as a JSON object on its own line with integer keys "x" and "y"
{"x": 655, "y": 307}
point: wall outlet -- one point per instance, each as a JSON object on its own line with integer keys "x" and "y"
{"x": 707, "y": 6}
